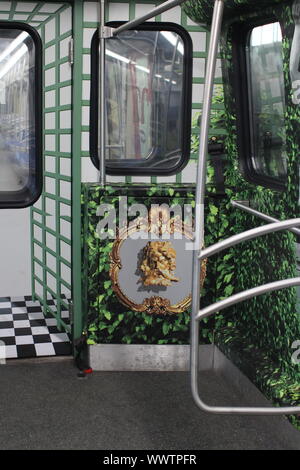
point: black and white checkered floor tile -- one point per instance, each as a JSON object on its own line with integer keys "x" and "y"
{"x": 27, "y": 332}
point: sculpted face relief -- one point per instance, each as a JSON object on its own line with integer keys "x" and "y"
{"x": 158, "y": 264}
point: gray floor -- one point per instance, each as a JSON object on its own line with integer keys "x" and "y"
{"x": 45, "y": 406}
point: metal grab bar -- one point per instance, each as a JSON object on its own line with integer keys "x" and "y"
{"x": 241, "y": 205}
{"x": 101, "y": 100}
{"x": 248, "y": 235}
{"x": 226, "y": 303}
{"x": 247, "y": 294}
{"x": 147, "y": 16}
{"x": 197, "y": 314}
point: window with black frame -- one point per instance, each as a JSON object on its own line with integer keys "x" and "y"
{"x": 261, "y": 106}
{"x": 147, "y": 98}
{"x": 20, "y": 119}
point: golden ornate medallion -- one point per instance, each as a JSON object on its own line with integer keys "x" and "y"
{"x": 157, "y": 265}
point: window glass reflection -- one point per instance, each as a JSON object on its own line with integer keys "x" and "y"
{"x": 17, "y": 118}
{"x": 267, "y": 102}
{"x": 144, "y": 100}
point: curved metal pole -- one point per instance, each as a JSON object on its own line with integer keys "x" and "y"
{"x": 245, "y": 295}
{"x": 248, "y": 235}
{"x": 285, "y": 410}
{"x": 199, "y": 235}
{"x": 200, "y": 190}
{"x": 102, "y": 111}
{"x": 261, "y": 215}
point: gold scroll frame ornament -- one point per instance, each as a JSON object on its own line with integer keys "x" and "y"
{"x": 154, "y": 305}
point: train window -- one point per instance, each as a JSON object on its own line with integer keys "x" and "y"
{"x": 262, "y": 107}
{"x": 148, "y": 100}
{"x": 20, "y": 108}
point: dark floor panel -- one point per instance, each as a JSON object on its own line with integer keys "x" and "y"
{"x": 45, "y": 406}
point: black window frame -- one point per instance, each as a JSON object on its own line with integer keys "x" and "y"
{"x": 187, "y": 103}
{"x": 24, "y": 198}
{"x": 240, "y": 78}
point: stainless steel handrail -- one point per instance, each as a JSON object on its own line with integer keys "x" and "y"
{"x": 241, "y": 205}
{"x": 147, "y": 16}
{"x": 101, "y": 104}
{"x": 247, "y": 294}
{"x": 248, "y": 235}
{"x": 255, "y": 410}
{"x": 198, "y": 314}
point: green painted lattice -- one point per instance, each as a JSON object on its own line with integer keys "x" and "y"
{"x": 51, "y": 216}
{"x": 51, "y": 239}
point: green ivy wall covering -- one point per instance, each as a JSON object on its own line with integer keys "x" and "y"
{"x": 201, "y": 11}
{"x": 107, "y": 320}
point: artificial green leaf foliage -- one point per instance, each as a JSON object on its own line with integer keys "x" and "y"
{"x": 112, "y": 322}
{"x": 256, "y": 335}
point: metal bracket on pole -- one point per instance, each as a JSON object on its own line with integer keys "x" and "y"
{"x": 106, "y": 32}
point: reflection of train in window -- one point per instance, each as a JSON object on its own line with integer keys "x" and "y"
{"x": 147, "y": 87}
{"x": 19, "y": 127}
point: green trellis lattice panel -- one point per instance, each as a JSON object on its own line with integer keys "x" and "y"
{"x": 51, "y": 215}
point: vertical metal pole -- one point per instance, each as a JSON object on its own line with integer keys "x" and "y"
{"x": 101, "y": 145}
{"x": 200, "y": 189}
{"x": 76, "y": 169}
